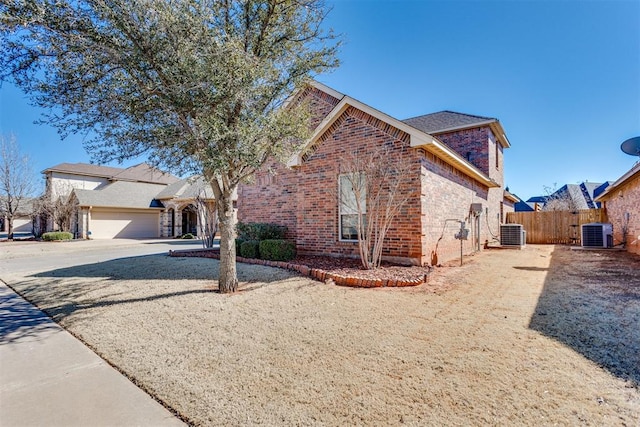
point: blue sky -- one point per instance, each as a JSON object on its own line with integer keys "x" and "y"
{"x": 563, "y": 78}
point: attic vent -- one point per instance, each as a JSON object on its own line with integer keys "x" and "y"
{"x": 512, "y": 235}
{"x": 597, "y": 235}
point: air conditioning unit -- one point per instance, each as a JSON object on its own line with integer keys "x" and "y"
{"x": 597, "y": 235}
{"x": 512, "y": 235}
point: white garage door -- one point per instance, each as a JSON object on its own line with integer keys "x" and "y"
{"x": 123, "y": 225}
{"x": 22, "y": 225}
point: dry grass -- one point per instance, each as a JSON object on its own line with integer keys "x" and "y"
{"x": 509, "y": 338}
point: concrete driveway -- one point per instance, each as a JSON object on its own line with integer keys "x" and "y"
{"x": 48, "y": 376}
{"x": 33, "y": 256}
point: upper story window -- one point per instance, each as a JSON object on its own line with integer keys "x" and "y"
{"x": 353, "y": 205}
{"x": 497, "y": 155}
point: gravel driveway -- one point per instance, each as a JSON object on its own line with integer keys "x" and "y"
{"x": 540, "y": 336}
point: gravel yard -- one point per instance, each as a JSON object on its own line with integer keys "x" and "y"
{"x": 539, "y": 336}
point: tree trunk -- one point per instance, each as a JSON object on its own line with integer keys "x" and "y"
{"x": 10, "y": 228}
{"x": 228, "y": 280}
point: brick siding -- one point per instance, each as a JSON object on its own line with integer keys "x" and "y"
{"x": 478, "y": 146}
{"x": 305, "y": 198}
{"x": 620, "y": 202}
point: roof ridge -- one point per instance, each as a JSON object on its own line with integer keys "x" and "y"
{"x": 450, "y": 112}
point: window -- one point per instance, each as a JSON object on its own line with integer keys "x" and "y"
{"x": 497, "y": 155}
{"x": 352, "y": 200}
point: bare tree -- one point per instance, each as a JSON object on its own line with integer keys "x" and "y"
{"x": 17, "y": 180}
{"x": 373, "y": 190}
{"x": 207, "y": 214}
{"x": 558, "y": 199}
{"x": 58, "y": 205}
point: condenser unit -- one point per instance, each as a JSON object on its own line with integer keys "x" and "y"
{"x": 597, "y": 235}
{"x": 512, "y": 235}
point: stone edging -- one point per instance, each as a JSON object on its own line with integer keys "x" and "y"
{"x": 322, "y": 275}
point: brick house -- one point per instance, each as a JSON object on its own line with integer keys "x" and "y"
{"x": 457, "y": 176}
{"x": 622, "y": 203}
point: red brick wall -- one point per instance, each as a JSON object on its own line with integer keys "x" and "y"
{"x": 320, "y": 104}
{"x": 478, "y": 145}
{"x": 623, "y": 200}
{"x": 305, "y": 199}
{"x": 309, "y": 193}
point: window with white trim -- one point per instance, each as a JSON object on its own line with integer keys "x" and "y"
{"x": 353, "y": 200}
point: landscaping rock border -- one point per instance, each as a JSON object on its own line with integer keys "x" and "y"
{"x": 317, "y": 273}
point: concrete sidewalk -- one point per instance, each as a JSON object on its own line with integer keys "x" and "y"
{"x": 48, "y": 377}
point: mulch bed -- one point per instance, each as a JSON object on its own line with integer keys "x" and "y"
{"x": 341, "y": 271}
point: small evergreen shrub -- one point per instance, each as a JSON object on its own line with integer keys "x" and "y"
{"x": 187, "y": 236}
{"x": 238, "y": 243}
{"x": 260, "y": 231}
{"x": 250, "y": 249}
{"x": 277, "y": 250}
{"x": 57, "y": 235}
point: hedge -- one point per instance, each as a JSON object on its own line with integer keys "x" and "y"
{"x": 57, "y": 235}
{"x": 277, "y": 250}
{"x": 260, "y": 231}
{"x": 250, "y": 249}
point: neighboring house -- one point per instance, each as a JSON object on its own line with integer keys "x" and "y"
{"x": 622, "y": 203}
{"x": 22, "y": 220}
{"x": 537, "y": 202}
{"x": 571, "y": 197}
{"x": 522, "y": 206}
{"x": 183, "y": 202}
{"x": 458, "y": 176}
{"x": 123, "y": 202}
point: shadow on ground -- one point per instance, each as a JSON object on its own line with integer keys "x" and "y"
{"x": 146, "y": 267}
{"x": 20, "y": 320}
{"x": 69, "y": 291}
{"x": 591, "y": 303}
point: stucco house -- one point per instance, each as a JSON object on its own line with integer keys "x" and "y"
{"x": 457, "y": 175}
{"x": 135, "y": 202}
{"x": 622, "y": 203}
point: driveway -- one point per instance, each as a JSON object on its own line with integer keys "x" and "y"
{"x": 32, "y": 256}
{"x": 48, "y": 376}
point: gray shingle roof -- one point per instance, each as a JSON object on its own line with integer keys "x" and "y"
{"x": 85, "y": 169}
{"x": 188, "y": 188}
{"x": 145, "y": 173}
{"x": 141, "y": 172}
{"x": 446, "y": 120}
{"x": 122, "y": 194}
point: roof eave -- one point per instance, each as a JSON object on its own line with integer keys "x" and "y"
{"x": 630, "y": 174}
{"x": 418, "y": 139}
{"x": 494, "y": 124}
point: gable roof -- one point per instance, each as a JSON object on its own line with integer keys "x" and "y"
{"x": 84, "y": 169}
{"x": 443, "y": 121}
{"x": 141, "y": 172}
{"x": 418, "y": 138}
{"x": 188, "y": 188}
{"x": 121, "y": 194}
{"x": 145, "y": 173}
{"x": 582, "y": 196}
{"x": 448, "y": 121}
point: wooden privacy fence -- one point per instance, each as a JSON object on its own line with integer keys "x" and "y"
{"x": 555, "y": 227}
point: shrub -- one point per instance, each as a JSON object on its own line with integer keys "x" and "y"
{"x": 187, "y": 236}
{"x": 57, "y": 235}
{"x": 260, "y": 231}
{"x": 250, "y": 249}
{"x": 238, "y": 243}
{"x": 277, "y": 250}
